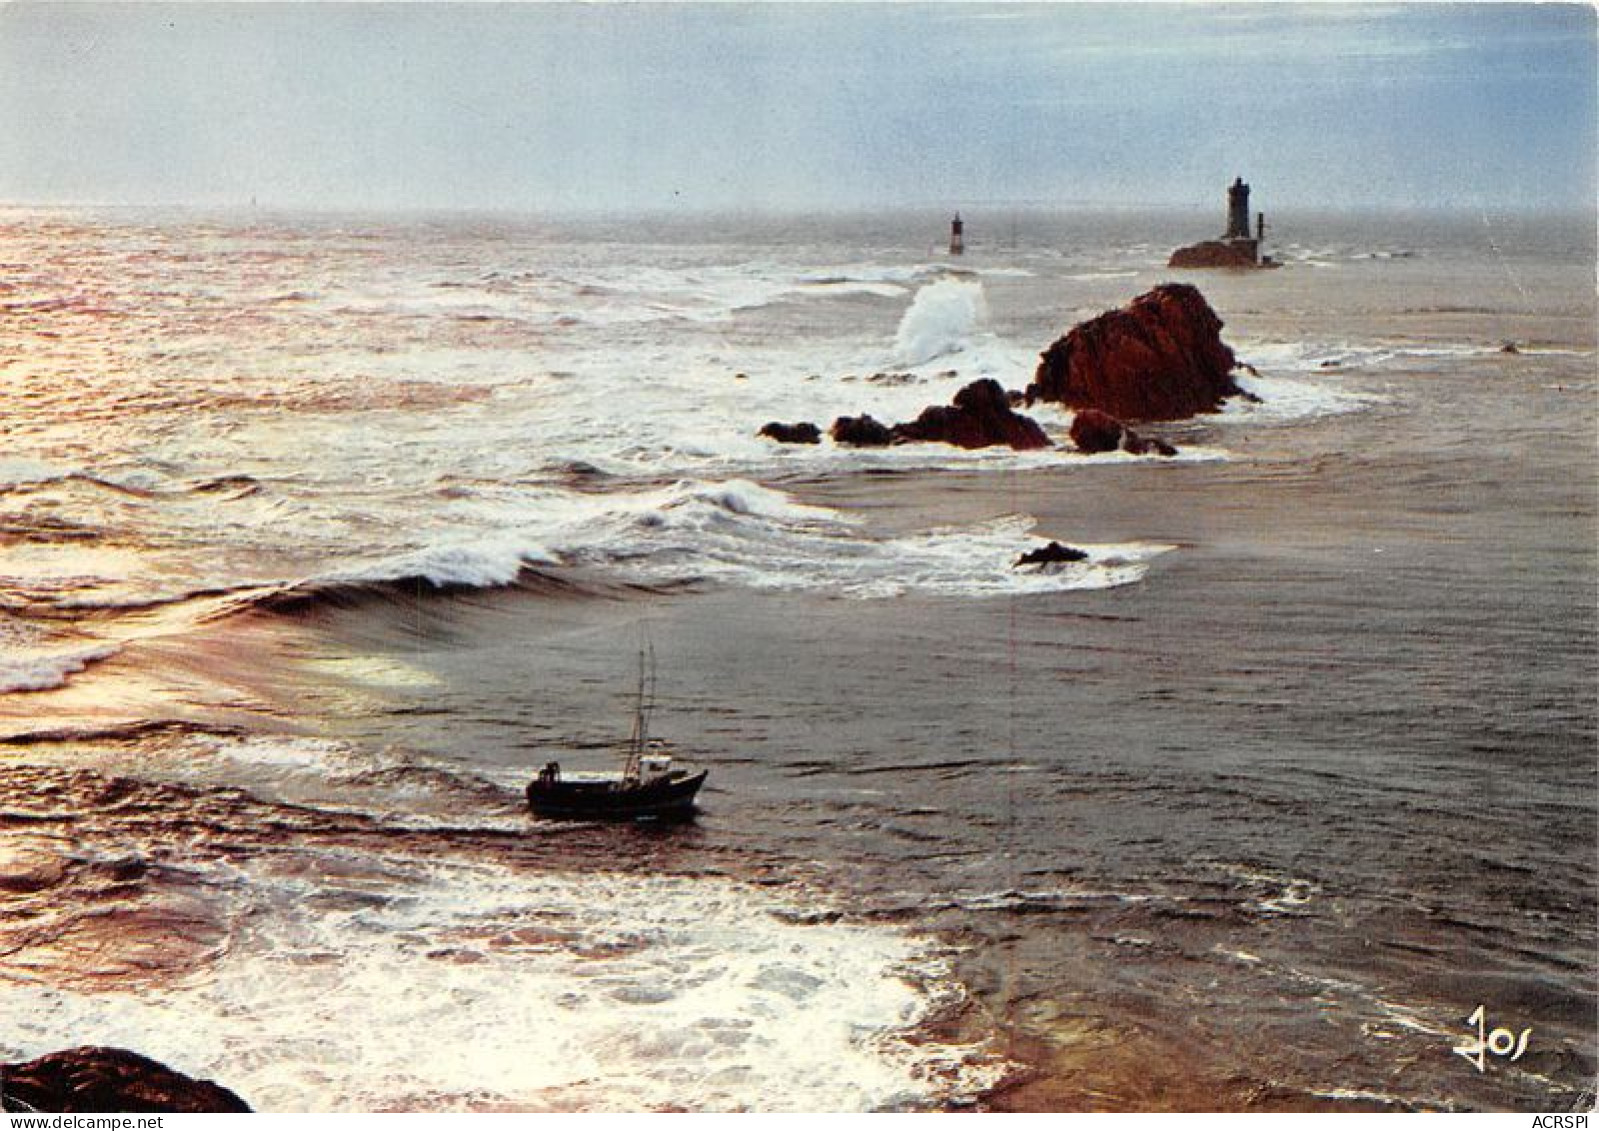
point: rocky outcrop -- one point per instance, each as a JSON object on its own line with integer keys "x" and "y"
{"x": 106, "y": 1079}
{"x": 801, "y": 433}
{"x": 1213, "y": 253}
{"x": 980, "y": 417}
{"x": 1161, "y": 357}
{"x": 1093, "y": 431}
{"x": 861, "y": 432}
{"x": 1052, "y": 554}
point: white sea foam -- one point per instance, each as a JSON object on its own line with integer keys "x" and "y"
{"x": 1302, "y": 380}
{"x": 940, "y": 320}
{"x": 21, "y": 472}
{"x": 1363, "y": 1095}
{"x": 479, "y": 987}
{"x": 738, "y": 532}
{"x": 48, "y": 668}
{"x": 691, "y": 531}
{"x": 1324, "y": 358}
{"x": 1285, "y": 399}
{"x": 1302, "y": 357}
{"x": 490, "y": 559}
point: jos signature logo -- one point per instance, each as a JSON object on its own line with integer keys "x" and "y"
{"x": 1499, "y": 1042}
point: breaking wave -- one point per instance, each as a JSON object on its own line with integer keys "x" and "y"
{"x": 536, "y": 992}
{"x": 940, "y": 320}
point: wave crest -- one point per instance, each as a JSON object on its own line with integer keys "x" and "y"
{"x": 940, "y": 320}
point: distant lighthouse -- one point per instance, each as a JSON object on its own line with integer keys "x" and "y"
{"x": 1239, "y": 247}
{"x": 1245, "y": 244}
{"x": 1237, "y": 211}
{"x": 957, "y": 238}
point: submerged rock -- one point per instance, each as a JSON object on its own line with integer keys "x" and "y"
{"x": 802, "y": 433}
{"x": 1161, "y": 357}
{"x": 1052, "y": 554}
{"x": 1134, "y": 444}
{"x": 1093, "y": 431}
{"x": 107, "y": 1079}
{"x": 980, "y": 417}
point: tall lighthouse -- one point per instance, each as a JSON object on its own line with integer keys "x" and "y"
{"x": 957, "y": 239}
{"x": 1237, "y": 211}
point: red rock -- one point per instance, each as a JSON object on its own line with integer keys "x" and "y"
{"x": 861, "y": 432}
{"x": 980, "y": 417}
{"x": 107, "y": 1079}
{"x": 1094, "y": 431}
{"x": 1212, "y": 253}
{"x": 1161, "y": 357}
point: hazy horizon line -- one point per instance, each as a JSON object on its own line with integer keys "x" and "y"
{"x": 967, "y": 208}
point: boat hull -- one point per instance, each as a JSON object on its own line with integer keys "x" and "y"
{"x": 671, "y": 799}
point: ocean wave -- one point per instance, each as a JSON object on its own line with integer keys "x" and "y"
{"x": 940, "y": 320}
{"x": 1018, "y": 902}
{"x": 1286, "y": 399}
{"x": 46, "y": 670}
{"x": 786, "y": 546}
{"x": 731, "y": 532}
{"x": 485, "y": 563}
{"x": 543, "y": 991}
{"x": 22, "y": 474}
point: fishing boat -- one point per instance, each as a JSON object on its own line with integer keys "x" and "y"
{"x": 647, "y": 788}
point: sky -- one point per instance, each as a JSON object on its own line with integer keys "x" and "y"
{"x": 768, "y": 106}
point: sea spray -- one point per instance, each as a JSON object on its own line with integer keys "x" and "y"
{"x": 534, "y": 991}
{"x": 940, "y": 320}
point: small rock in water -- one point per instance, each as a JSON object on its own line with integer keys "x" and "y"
{"x": 803, "y": 432}
{"x": 861, "y": 432}
{"x": 1137, "y": 445}
{"x": 1052, "y": 554}
{"x": 1094, "y": 431}
{"x": 980, "y": 416}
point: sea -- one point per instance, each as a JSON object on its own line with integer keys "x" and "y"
{"x": 319, "y": 534}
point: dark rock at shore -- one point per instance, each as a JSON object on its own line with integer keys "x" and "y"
{"x": 93, "y": 1079}
{"x": 1211, "y": 253}
{"x": 1138, "y": 445}
{"x": 1052, "y": 554}
{"x": 980, "y": 417}
{"x": 1510, "y": 347}
{"x": 802, "y": 433}
{"x": 1093, "y": 431}
{"x": 1160, "y": 357}
{"x": 861, "y": 432}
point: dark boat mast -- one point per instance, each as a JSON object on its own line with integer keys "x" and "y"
{"x": 639, "y": 741}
